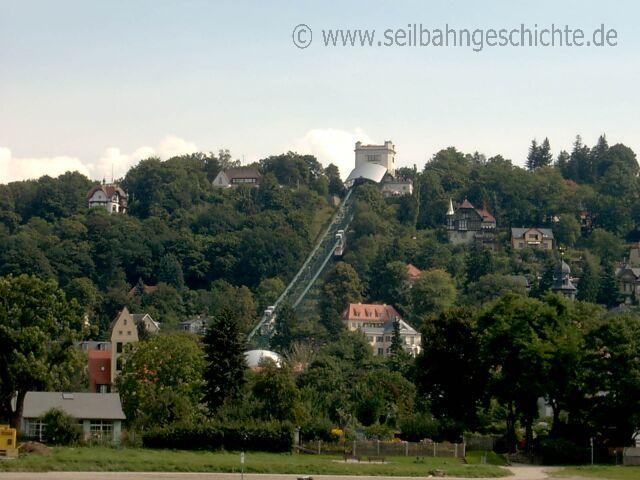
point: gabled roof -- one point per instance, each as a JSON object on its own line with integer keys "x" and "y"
{"x": 91, "y": 406}
{"x": 466, "y": 204}
{"x": 148, "y": 289}
{"x": 519, "y": 232}
{"x": 413, "y": 272}
{"x": 242, "y": 172}
{"x": 486, "y": 216}
{"x": 372, "y": 312}
{"x": 108, "y": 189}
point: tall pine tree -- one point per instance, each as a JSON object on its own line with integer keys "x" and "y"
{"x": 608, "y": 293}
{"x": 532, "y": 157}
{"x": 544, "y": 157}
{"x": 589, "y": 284}
{"x": 224, "y": 348}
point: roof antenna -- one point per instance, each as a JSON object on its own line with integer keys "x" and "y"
{"x": 112, "y": 173}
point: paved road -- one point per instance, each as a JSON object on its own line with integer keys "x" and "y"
{"x": 520, "y": 473}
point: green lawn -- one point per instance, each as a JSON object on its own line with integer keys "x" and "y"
{"x": 493, "y": 458}
{"x": 138, "y": 459}
{"x": 604, "y": 472}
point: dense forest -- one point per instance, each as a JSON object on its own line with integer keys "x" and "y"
{"x": 491, "y": 347}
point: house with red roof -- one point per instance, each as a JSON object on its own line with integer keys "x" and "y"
{"x": 376, "y": 322}
{"x": 108, "y": 196}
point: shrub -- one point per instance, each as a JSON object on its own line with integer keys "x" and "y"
{"x": 60, "y": 428}
{"x": 418, "y": 427}
{"x": 317, "y": 429}
{"x": 256, "y": 436}
{"x": 556, "y": 451}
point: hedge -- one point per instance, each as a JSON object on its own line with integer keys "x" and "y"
{"x": 256, "y": 436}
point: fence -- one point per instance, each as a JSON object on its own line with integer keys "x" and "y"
{"x": 373, "y": 448}
{"x": 479, "y": 442}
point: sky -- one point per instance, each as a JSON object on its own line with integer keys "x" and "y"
{"x": 96, "y": 86}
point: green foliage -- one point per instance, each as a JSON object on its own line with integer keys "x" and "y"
{"x": 38, "y": 326}
{"x": 251, "y": 436}
{"x": 275, "y": 393}
{"x": 60, "y": 428}
{"x": 432, "y": 293}
{"x": 342, "y": 286}
{"x": 225, "y": 369}
{"x": 162, "y": 380}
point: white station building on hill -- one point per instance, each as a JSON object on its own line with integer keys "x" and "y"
{"x": 377, "y": 163}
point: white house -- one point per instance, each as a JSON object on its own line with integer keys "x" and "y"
{"x": 108, "y": 196}
{"x": 232, "y": 177}
{"x": 397, "y": 187}
{"x": 377, "y": 323}
{"x": 99, "y": 414}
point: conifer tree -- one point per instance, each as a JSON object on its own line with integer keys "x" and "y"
{"x": 224, "y": 349}
{"x": 608, "y": 293}
{"x": 544, "y": 157}
{"x": 588, "y": 286}
{"x": 532, "y": 157}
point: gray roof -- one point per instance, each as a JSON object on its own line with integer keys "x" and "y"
{"x": 83, "y": 406}
{"x": 519, "y": 232}
{"x": 367, "y": 171}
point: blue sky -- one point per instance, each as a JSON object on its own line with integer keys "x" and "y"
{"x": 87, "y": 84}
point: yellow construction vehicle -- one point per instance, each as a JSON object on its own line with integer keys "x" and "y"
{"x": 8, "y": 446}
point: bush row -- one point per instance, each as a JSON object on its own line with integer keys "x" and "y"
{"x": 257, "y": 436}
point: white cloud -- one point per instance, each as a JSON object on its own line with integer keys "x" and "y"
{"x": 13, "y": 168}
{"x": 331, "y": 146}
{"x": 113, "y": 159}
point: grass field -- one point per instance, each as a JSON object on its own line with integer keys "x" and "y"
{"x": 603, "y": 472}
{"x": 137, "y": 459}
{"x": 493, "y": 458}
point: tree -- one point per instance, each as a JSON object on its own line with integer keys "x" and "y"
{"x": 567, "y": 230}
{"x": 589, "y": 283}
{"x": 284, "y": 329}
{"x": 161, "y": 380}
{"x": 614, "y": 379}
{"x": 479, "y": 262}
{"x": 60, "y": 428}
{"x": 562, "y": 163}
{"x": 532, "y": 157}
{"x": 544, "y": 154}
{"x": 609, "y": 292}
{"x": 450, "y": 375}
{"x": 341, "y": 287}
{"x": 433, "y": 292}
{"x": 515, "y": 343}
{"x": 224, "y": 347}
{"x": 170, "y": 271}
{"x": 276, "y": 393}
{"x": 38, "y": 326}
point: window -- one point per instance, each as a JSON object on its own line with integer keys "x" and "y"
{"x": 119, "y": 347}
{"x": 380, "y": 351}
{"x": 462, "y": 225}
{"x": 128, "y": 332}
{"x": 35, "y": 429}
{"x": 119, "y": 332}
{"x": 388, "y": 339}
{"x": 118, "y": 364}
{"x": 379, "y": 339}
{"x": 101, "y": 429}
{"x": 125, "y": 322}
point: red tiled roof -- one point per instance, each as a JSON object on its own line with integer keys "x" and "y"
{"x": 108, "y": 190}
{"x": 370, "y": 311}
{"x": 466, "y": 204}
{"x": 486, "y": 216}
{"x": 148, "y": 289}
{"x": 413, "y": 272}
